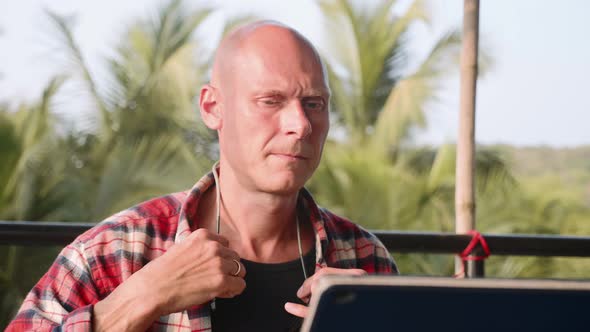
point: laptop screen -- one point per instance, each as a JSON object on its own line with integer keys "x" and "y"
{"x": 415, "y": 304}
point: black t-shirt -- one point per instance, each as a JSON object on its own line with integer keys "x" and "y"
{"x": 261, "y": 306}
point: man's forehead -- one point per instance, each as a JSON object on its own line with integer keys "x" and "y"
{"x": 266, "y": 44}
{"x": 269, "y": 90}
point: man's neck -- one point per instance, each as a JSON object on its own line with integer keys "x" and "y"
{"x": 259, "y": 226}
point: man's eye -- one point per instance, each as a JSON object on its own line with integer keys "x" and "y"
{"x": 270, "y": 102}
{"x": 314, "y": 104}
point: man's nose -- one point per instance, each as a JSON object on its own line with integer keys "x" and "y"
{"x": 295, "y": 120}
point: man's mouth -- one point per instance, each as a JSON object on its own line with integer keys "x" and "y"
{"x": 291, "y": 156}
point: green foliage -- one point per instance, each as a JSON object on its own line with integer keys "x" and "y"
{"x": 148, "y": 134}
{"x": 374, "y": 175}
{"x": 31, "y": 158}
{"x": 377, "y": 92}
{"x": 31, "y": 179}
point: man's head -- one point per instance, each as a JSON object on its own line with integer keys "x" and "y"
{"x": 268, "y": 100}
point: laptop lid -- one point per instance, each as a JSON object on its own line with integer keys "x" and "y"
{"x": 393, "y": 303}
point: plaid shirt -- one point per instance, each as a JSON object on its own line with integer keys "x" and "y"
{"x": 102, "y": 258}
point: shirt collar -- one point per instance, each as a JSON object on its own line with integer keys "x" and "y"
{"x": 188, "y": 211}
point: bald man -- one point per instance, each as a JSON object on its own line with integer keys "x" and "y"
{"x": 243, "y": 248}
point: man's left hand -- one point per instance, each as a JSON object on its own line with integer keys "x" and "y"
{"x": 309, "y": 285}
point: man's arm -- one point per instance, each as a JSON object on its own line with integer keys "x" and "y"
{"x": 189, "y": 273}
{"x": 384, "y": 263}
{"x": 63, "y": 297}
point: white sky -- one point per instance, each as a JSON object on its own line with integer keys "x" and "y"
{"x": 536, "y": 93}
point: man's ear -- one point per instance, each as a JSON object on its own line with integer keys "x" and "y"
{"x": 210, "y": 107}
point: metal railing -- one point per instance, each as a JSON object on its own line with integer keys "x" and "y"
{"x": 61, "y": 233}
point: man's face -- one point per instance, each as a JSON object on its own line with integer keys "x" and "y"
{"x": 274, "y": 115}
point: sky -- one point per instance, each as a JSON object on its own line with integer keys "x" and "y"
{"x": 535, "y": 93}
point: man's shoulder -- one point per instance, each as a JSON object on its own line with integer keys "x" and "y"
{"x": 341, "y": 228}
{"x": 352, "y": 246}
{"x": 156, "y": 218}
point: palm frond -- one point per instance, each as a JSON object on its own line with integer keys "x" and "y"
{"x": 75, "y": 54}
{"x": 32, "y": 156}
{"x": 147, "y": 168}
{"x": 167, "y": 35}
{"x": 406, "y": 102}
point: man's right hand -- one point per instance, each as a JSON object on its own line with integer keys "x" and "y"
{"x": 190, "y": 273}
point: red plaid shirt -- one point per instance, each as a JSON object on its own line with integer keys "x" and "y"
{"x": 102, "y": 258}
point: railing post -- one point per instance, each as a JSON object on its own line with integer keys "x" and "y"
{"x": 465, "y": 166}
{"x": 475, "y": 268}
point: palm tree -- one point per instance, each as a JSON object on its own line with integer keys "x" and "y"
{"x": 377, "y": 91}
{"x": 147, "y": 141}
{"x": 379, "y": 96}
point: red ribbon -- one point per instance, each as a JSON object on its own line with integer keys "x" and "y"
{"x": 476, "y": 239}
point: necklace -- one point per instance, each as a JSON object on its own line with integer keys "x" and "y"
{"x": 218, "y": 218}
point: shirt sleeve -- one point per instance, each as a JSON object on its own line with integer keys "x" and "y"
{"x": 64, "y": 297}
{"x": 384, "y": 263}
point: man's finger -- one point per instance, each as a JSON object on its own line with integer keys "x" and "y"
{"x": 233, "y": 286}
{"x": 296, "y": 309}
{"x": 231, "y": 266}
{"x": 306, "y": 290}
{"x": 227, "y": 253}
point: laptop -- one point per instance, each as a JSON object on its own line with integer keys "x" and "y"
{"x": 394, "y": 303}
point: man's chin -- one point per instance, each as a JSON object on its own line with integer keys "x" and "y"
{"x": 284, "y": 186}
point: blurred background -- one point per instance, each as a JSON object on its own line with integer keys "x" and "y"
{"x": 98, "y": 111}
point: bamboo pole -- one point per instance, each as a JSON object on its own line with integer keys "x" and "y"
{"x": 465, "y": 168}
